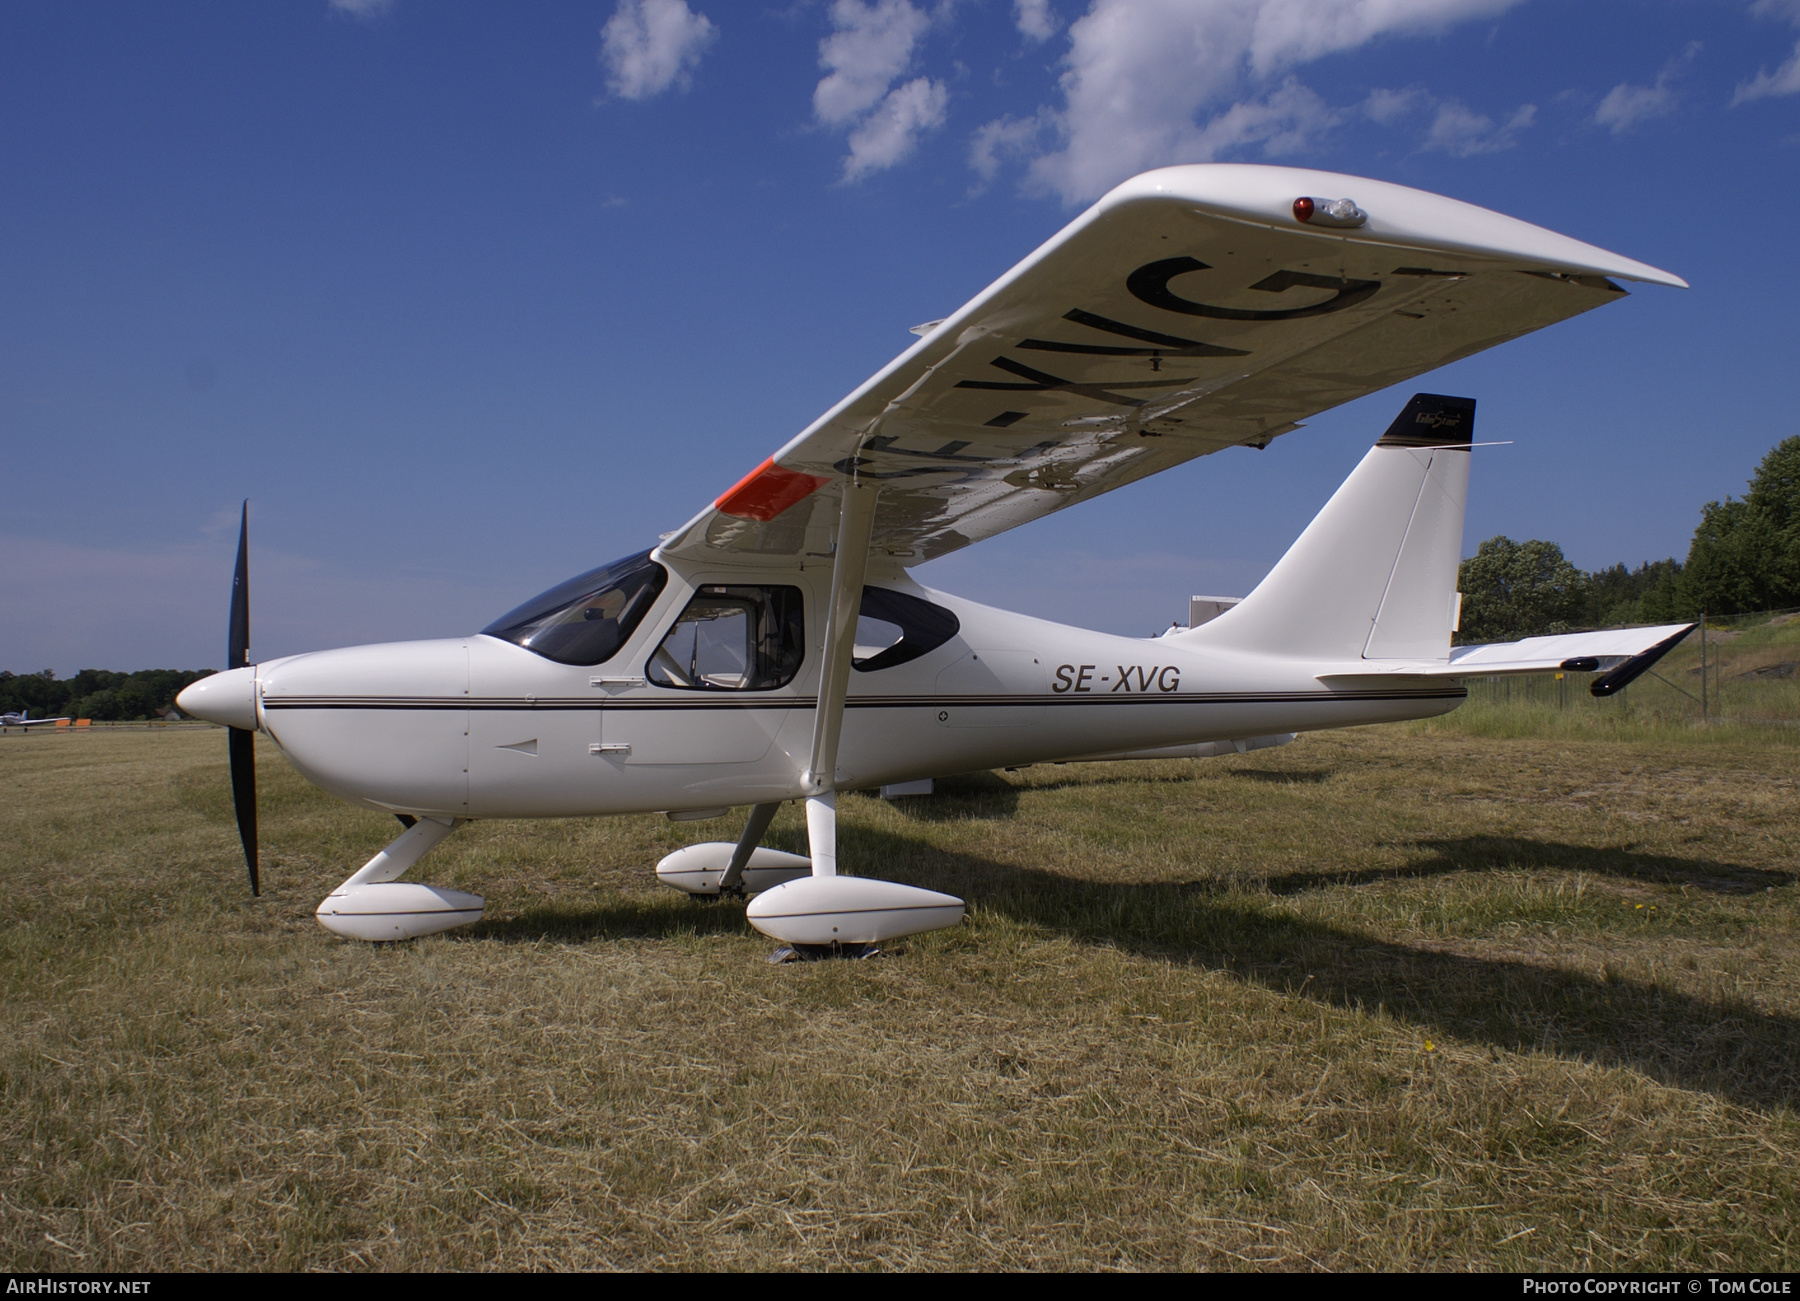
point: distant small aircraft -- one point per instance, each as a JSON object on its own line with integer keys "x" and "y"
{"x": 23, "y": 718}
{"x": 776, "y": 648}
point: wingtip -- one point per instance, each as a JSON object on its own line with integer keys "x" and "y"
{"x": 1650, "y": 275}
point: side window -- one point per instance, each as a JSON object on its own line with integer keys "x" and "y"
{"x": 733, "y": 638}
{"x": 893, "y": 628}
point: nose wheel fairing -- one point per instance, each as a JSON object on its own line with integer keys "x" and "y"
{"x": 373, "y": 904}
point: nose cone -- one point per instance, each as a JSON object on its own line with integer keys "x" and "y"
{"x": 228, "y": 699}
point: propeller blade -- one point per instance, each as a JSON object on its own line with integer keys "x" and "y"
{"x": 238, "y": 655}
{"x": 243, "y": 742}
{"x": 243, "y": 796}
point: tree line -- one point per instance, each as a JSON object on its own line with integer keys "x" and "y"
{"x": 1745, "y": 556}
{"x": 96, "y": 693}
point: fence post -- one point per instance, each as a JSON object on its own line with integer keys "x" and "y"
{"x": 1704, "y": 712}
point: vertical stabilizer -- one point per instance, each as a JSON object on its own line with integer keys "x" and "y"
{"x": 1374, "y": 575}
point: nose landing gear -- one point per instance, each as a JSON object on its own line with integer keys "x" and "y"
{"x": 373, "y": 905}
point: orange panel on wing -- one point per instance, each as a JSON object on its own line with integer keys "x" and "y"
{"x": 767, "y": 491}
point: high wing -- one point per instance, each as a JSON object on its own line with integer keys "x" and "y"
{"x": 1191, "y": 309}
{"x": 1619, "y": 655}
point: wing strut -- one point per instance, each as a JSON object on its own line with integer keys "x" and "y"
{"x": 856, "y": 522}
{"x": 826, "y": 913}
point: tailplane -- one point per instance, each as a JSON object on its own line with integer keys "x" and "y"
{"x": 1374, "y": 575}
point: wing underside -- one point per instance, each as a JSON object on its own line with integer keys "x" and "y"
{"x": 1187, "y": 312}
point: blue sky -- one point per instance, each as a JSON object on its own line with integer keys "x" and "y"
{"x": 466, "y": 298}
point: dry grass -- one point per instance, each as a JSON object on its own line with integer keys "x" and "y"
{"x": 1376, "y": 1000}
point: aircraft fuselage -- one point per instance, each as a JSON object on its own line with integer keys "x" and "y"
{"x": 476, "y": 727}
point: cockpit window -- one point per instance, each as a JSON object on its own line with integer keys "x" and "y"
{"x": 733, "y": 638}
{"x": 587, "y": 619}
{"x": 894, "y": 628}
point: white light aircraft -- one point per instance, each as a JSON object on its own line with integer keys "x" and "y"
{"x": 775, "y": 647}
{"x": 23, "y": 718}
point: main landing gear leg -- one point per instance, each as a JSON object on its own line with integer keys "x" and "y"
{"x": 821, "y": 833}
{"x": 374, "y": 905}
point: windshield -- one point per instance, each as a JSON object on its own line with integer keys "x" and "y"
{"x": 587, "y": 619}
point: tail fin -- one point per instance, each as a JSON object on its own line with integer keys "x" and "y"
{"x": 1374, "y": 575}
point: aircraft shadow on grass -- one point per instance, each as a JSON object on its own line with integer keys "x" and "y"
{"x": 1728, "y": 1048}
{"x": 982, "y": 796}
{"x": 1285, "y": 777}
{"x": 1490, "y": 853}
{"x": 989, "y": 796}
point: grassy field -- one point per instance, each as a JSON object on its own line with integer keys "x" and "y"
{"x": 1398, "y": 998}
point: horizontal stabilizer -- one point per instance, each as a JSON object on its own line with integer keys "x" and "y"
{"x": 1619, "y": 655}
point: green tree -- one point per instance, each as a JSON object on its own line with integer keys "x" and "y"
{"x": 1617, "y": 595}
{"x": 1746, "y": 554}
{"x": 1519, "y": 589}
{"x": 40, "y": 693}
{"x": 1661, "y": 603}
{"x": 96, "y": 693}
{"x": 1775, "y": 487}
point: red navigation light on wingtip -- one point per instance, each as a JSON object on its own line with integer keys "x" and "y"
{"x": 1328, "y": 212}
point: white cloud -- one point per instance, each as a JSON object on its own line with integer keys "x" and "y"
{"x": 871, "y": 48}
{"x": 1389, "y": 106}
{"x": 1284, "y": 122}
{"x": 1289, "y": 32}
{"x": 1455, "y": 128}
{"x": 1003, "y": 138}
{"x": 873, "y": 44}
{"x": 1626, "y": 105}
{"x": 1035, "y": 19}
{"x": 890, "y": 132}
{"x": 1785, "y": 80}
{"x": 648, "y": 46}
{"x": 1149, "y": 82}
{"x": 1461, "y": 132}
{"x": 363, "y": 8}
